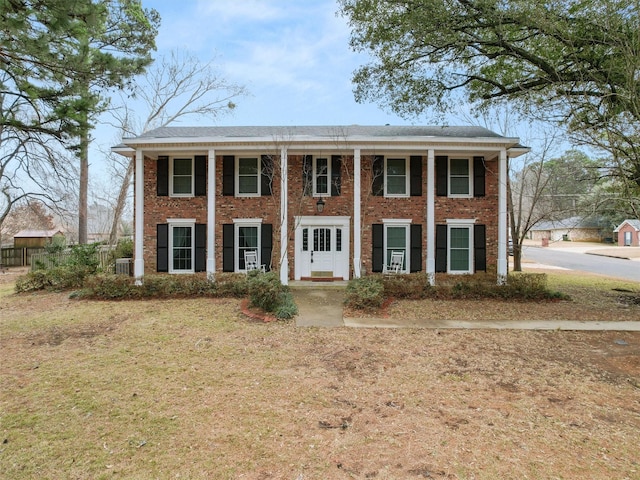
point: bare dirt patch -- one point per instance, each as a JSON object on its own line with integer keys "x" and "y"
{"x": 190, "y": 388}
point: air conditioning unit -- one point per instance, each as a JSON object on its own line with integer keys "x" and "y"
{"x": 123, "y": 266}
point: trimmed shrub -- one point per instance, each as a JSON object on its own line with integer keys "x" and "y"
{"x": 365, "y": 293}
{"x": 530, "y": 286}
{"x": 231, "y": 285}
{"x": 56, "y": 279}
{"x": 109, "y": 287}
{"x": 411, "y": 286}
{"x": 265, "y": 290}
{"x": 287, "y": 309}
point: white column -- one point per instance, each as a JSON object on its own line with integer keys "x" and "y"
{"x": 502, "y": 218}
{"x": 211, "y": 216}
{"x": 284, "y": 214}
{"x": 357, "y": 205}
{"x": 138, "y": 265}
{"x": 431, "y": 220}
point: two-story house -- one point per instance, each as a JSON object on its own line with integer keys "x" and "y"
{"x": 321, "y": 202}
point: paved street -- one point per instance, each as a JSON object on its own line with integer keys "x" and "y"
{"x": 618, "y": 262}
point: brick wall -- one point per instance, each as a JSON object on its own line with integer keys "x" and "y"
{"x": 374, "y": 209}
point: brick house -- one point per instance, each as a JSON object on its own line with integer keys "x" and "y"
{"x": 351, "y": 195}
{"x": 628, "y": 233}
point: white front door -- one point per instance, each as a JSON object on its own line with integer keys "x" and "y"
{"x": 322, "y": 247}
{"x": 627, "y": 239}
{"x": 322, "y": 243}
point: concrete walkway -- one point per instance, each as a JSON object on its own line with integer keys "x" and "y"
{"x": 493, "y": 325}
{"x": 319, "y": 305}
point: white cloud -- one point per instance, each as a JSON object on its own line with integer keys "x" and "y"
{"x": 242, "y": 10}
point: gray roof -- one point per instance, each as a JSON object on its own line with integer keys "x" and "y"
{"x": 633, "y": 222}
{"x": 571, "y": 222}
{"x": 37, "y": 233}
{"x": 320, "y": 131}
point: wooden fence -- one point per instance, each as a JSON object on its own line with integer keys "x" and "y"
{"x": 18, "y": 257}
{"x": 43, "y": 261}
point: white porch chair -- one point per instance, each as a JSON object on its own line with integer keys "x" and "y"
{"x": 251, "y": 261}
{"x": 396, "y": 263}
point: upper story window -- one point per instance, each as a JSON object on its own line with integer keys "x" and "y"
{"x": 181, "y": 177}
{"x": 396, "y": 181}
{"x": 321, "y": 176}
{"x": 459, "y": 177}
{"x": 248, "y": 176}
{"x": 396, "y": 176}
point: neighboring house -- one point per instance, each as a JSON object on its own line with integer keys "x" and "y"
{"x": 575, "y": 229}
{"x": 628, "y": 233}
{"x": 35, "y": 238}
{"x": 351, "y": 195}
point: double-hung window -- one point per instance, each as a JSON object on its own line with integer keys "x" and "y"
{"x": 396, "y": 178}
{"x": 460, "y": 244}
{"x": 248, "y": 176}
{"x": 182, "y": 177}
{"x": 181, "y": 247}
{"x": 397, "y": 239}
{"x": 321, "y": 176}
{"x": 247, "y": 239}
{"x": 460, "y": 177}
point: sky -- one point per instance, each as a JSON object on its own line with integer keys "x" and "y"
{"x": 293, "y": 56}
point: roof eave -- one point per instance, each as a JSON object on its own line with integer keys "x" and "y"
{"x": 511, "y": 144}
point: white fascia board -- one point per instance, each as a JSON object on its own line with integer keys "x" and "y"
{"x": 308, "y": 142}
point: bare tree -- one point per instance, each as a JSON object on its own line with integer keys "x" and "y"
{"x": 526, "y": 187}
{"x": 32, "y": 163}
{"x": 177, "y": 86}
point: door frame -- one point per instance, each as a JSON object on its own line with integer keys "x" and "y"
{"x": 342, "y": 260}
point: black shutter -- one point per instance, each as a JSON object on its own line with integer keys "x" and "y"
{"x": 442, "y": 169}
{"x": 266, "y": 245}
{"x": 266, "y": 175}
{"x": 478, "y": 176}
{"x": 416, "y": 248}
{"x": 480, "y": 247}
{"x": 377, "y": 170}
{"x": 377, "y": 256}
{"x": 307, "y": 175}
{"x": 336, "y": 175}
{"x": 162, "y": 251}
{"x": 163, "y": 177}
{"x": 228, "y": 177}
{"x": 201, "y": 247}
{"x": 228, "y": 247}
{"x": 200, "y": 169}
{"x": 415, "y": 168}
{"x": 441, "y": 248}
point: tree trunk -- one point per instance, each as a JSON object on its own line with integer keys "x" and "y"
{"x": 84, "y": 186}
{"x": 517, "y": 257}
{"x": 120, "y": 203}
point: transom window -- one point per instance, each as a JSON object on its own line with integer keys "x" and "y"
{"x": 459, "y": 177}
{"x": 396, "y": 179}
{"x": 182, "y": 177}
{"x": 248, "y": 178}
